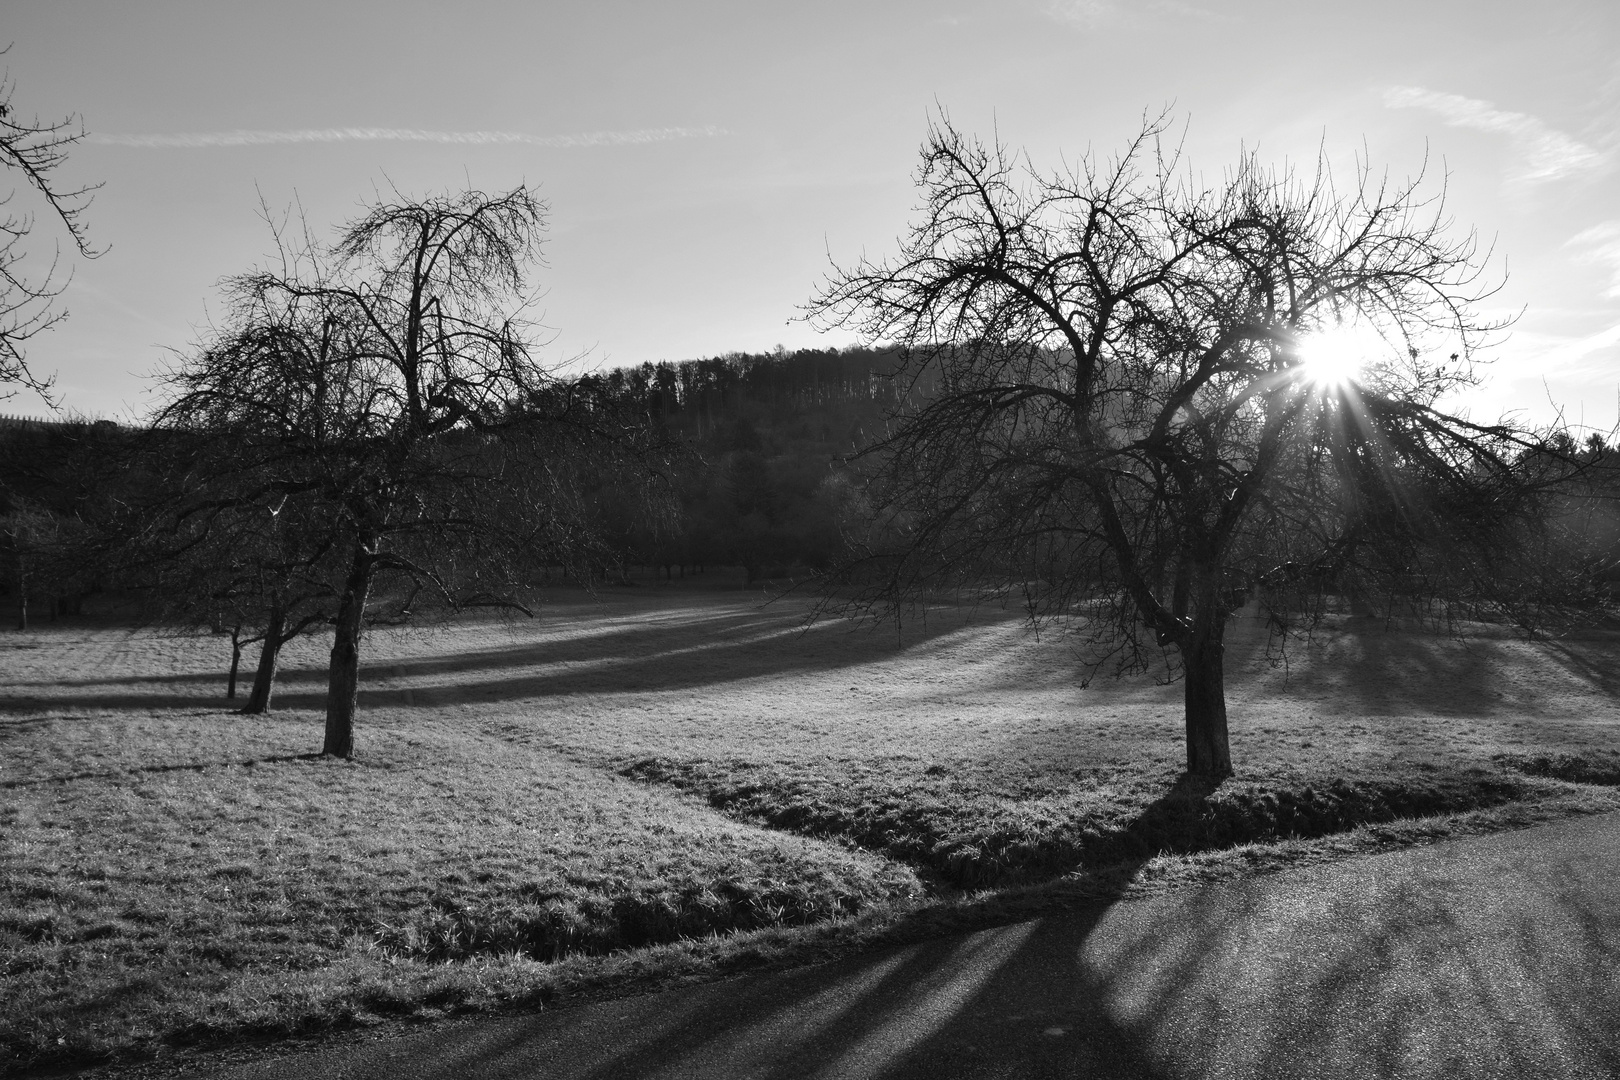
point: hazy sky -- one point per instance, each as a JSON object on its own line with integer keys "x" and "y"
{"x": 702, "y": 159}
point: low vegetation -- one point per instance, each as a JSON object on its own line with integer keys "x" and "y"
{"x": 978, "y": 835}
{"x": 675, "y": 782}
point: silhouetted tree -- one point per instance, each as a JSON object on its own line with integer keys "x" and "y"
{"x": 384, "y": 389}
{"x": 219, "y": 546}
{"x": 1121, "y": 417}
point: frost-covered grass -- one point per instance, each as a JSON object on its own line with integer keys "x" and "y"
{"x": 684, "y": 776}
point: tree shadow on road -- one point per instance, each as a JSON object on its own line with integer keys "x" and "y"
{"x": 1428, "y": 962}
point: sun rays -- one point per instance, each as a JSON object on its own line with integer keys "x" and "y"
{"x": 1334, "y": 357}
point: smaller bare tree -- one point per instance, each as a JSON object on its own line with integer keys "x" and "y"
{"x": 383, "y": 391}
{"x": 217, "y": 547}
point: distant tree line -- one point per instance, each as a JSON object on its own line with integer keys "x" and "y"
{"x": 765, "y": 472}
{"x": 769, "y": 456}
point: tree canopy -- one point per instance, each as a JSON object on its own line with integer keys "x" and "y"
{"x": 383, "y": 391}
{"x": 1127, "y": 418}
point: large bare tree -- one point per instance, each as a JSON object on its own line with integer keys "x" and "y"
{"x": 1120, "y": 406}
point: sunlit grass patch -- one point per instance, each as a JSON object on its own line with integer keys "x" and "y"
{"x": 273, "y": 891}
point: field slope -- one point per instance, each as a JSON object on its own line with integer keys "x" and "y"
{"x": 665, "y": 774}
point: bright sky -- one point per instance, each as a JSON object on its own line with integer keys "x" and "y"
{"x": 702, "y": 159}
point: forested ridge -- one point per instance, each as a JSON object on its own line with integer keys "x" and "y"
{"x": 761, "y": 458}
{"x": 767, "y": 458}
{"x": 764, "y": 464}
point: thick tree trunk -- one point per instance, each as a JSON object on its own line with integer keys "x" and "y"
{"x": 1208, "y": 750}
{"x": 269, "y": 652}
{"x": 344, "y": 674}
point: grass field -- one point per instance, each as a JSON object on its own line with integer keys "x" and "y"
{"x": 681, "y": 777}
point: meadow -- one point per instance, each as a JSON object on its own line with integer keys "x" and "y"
{"x": 674, "y": 782}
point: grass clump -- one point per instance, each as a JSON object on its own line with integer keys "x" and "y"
{"x": 976, "y": 835}
{"x": 1589, "y": 767}
{"x": 546, "y": 925}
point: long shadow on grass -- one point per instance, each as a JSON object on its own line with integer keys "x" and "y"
{"x": 667, "y": 657}
{"x": 592, "y": 644}
{"x": 657, "y": 653}
{"x": 1596, "y": 661}
{"x": 189, "y": 766}
{"x": 1374, "y": 671}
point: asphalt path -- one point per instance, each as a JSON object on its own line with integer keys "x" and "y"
{"x": 1487, "y": 956}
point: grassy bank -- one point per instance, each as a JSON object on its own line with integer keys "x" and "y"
{"x": 977, "y": 838}
{"x": 673, "y": 783}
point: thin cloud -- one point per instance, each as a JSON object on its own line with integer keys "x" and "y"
{"x": 1570, "y": 357}
{"x": 196, "y": 139}
{"x": 1545, "y": 152}
{"x": 1601, "y": 245}
{"x": 1090, "y": 14}
{"x": 1083, "y": 12}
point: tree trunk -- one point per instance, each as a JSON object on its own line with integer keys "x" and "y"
{"x": 344, "y": 674}
{"x": 22, "y": 593}
{"x": 1208, "y": 750}
{"x": 236, "y": 663}
{"x": 269, "y": 652}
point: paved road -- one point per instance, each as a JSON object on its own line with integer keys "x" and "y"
{"x": 1492, "y": 956}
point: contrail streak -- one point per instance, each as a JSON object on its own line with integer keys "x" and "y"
{"x": 462, "y": 138}
{"x": 1545, "y": 152}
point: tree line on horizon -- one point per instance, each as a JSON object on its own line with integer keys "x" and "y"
{"x": 759, "y": 452}
{"x": 767, "y": 459}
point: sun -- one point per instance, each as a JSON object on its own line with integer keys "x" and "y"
{"x": 1336, "y": 356}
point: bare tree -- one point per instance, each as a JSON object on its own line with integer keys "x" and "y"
{"x": 1121, "y": 418}
{"x": 27, "y": 535}
{"x": 219, "y": 547}
{"x": 36, "y": 149}
{"x": 383, "y": 390}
